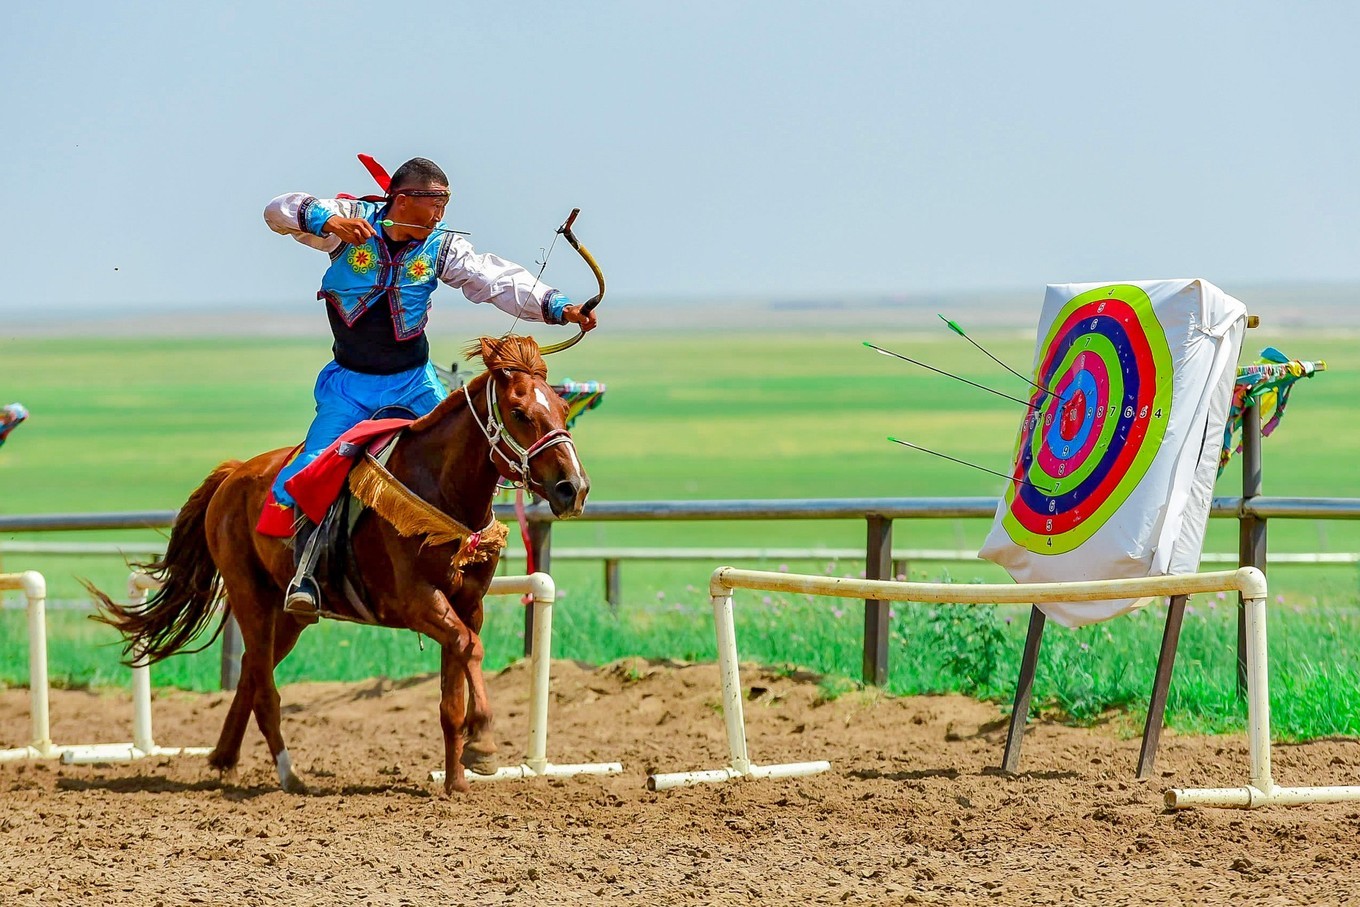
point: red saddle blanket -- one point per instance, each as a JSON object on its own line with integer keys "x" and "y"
{"x": 320, "y": 482}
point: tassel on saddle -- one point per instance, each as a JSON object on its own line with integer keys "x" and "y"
{"x": 379, "y": 490}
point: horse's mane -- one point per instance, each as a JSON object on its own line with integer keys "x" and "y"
{"x": 511, "y": 353}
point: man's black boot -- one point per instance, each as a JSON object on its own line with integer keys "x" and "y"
{"x": 303, "y": 599}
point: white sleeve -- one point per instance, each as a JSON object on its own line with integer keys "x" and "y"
{"x": 484, "y": 277}
{"x": 284, "y": 215}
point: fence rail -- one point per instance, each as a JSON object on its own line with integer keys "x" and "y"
{"x": 1262, "y": 507}
{"x": 881, "y": 562}
{"x": 1252, "y": 511}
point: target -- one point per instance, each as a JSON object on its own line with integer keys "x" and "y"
{"x": 1097, "y": 419}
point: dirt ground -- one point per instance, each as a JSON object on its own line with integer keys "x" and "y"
{"x": 910, "y": 813}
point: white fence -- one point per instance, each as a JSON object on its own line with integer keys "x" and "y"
{"x": 40, "y": 744}
{"x": 1260, "y": 789}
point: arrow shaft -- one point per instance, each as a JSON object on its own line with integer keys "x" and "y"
{"x": 940, "y": 371}
{"x": 936, "y": 453}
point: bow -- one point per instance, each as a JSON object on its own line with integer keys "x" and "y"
{"x": 592, "y": 302}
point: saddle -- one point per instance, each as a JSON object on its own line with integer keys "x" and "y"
{"x": 326, "y": 514}
{"x": 326, "y": 547}
{"x": 347, "y": 481}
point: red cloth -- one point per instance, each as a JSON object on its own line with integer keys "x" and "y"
{"x": 321, "y": 481}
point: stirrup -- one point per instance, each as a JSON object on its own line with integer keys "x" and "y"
{"x": 302, "y": 601}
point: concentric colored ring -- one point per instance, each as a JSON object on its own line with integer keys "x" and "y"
{"x": 1107, "y": 356}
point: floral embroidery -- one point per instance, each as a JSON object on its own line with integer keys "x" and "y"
{"x": 419, "y": 269}
{"x": 361, "y": 259}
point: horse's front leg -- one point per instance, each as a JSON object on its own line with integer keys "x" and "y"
{"x": 452, "y": 717}
{"x": 468, "y": 742}
{"x": 479, "y": 752}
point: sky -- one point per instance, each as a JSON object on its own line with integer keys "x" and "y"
{"x": 716, "y": 149}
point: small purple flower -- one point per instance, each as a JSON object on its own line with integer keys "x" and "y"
{"x": 892, "y": 612}
{"x": 783, "y": 568}
{"x": 837, "y": 613}
{"x": 831, "y": 567}
{"x": 1085, "y": 647}
{"x": 863, "y": 574}
{"x": 901, "y": 577}
{"x": 1221, "y": 596}
{"x": 1213, "y": 605}
{"x": 1279, "y": 599}
{"x": 660, "y": 595}
{"x": 1008, "y": 620}
{"x": 766, "y": 600}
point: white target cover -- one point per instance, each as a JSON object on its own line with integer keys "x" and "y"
{"x": 1115, "y": 462}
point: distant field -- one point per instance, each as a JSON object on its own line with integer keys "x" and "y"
{"x": 118, "y": 425}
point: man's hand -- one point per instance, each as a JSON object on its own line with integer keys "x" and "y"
{"x": 572, "y": 315}
{"x": 354, "y": 230}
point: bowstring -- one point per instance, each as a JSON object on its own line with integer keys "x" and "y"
{"x": 543, "y": 266}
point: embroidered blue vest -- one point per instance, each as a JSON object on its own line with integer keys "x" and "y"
{"x": 361, "y": 275}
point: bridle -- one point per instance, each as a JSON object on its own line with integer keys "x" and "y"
{"x": 497, "y": 434}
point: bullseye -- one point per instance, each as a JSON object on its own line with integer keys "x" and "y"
{"x": 1073, "y": 415}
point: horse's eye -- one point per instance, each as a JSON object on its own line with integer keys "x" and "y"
{"x": 519, "y": 416}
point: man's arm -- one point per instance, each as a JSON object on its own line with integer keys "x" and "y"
{"x": 484, "y": 277}
{"x": 304, "y": 218}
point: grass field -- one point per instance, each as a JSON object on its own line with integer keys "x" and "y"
{"x": 117, "y": 426}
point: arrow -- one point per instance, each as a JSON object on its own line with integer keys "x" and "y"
{"x": 954, "y": 326}
{"x": 939, "y": 371}
{"x": 936, "y": 453}
{"x": 394, "y": 223}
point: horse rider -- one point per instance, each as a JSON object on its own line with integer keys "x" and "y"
{"x": 386, "y": 255}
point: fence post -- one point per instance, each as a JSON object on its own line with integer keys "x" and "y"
{"x": 877, "y": 565}
{"x": 1251, "y": 532}
{"x": 612, "y": 581}
{"x": 540, "y": 540}
{"x": 231, "y": 653}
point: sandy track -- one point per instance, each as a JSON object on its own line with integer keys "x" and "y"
{"x": 910, "y": 813}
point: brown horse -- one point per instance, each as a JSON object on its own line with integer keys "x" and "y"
{"x": 507, "y": 423}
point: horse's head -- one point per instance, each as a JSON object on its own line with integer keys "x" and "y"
{"x": 527, "y": 425}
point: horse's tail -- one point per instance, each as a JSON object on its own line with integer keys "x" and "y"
{"x": 177, "y": 612}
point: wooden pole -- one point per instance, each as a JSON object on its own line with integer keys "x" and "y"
{"x": 540, "y": 541}
{"x": 1024, "y": 690}
{"x": 1161, "y": 685}
{"x": 1251, "y": 534}
{"x": 877, "y": 565}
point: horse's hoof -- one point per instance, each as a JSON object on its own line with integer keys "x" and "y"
{"x": 456, "y": 786}
{"x": 292, "y": 784}
{"x": 223, "y": 764}
{"x": 479, "y": 762}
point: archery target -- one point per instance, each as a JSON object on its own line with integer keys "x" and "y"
{"x": 1097, "y": 419}
{"x": 1115, "y": 461}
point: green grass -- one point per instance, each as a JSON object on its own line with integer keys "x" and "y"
{"x": 120, "y": 427}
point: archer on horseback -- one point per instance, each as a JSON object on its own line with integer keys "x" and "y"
{"x": 386, "y": 254}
